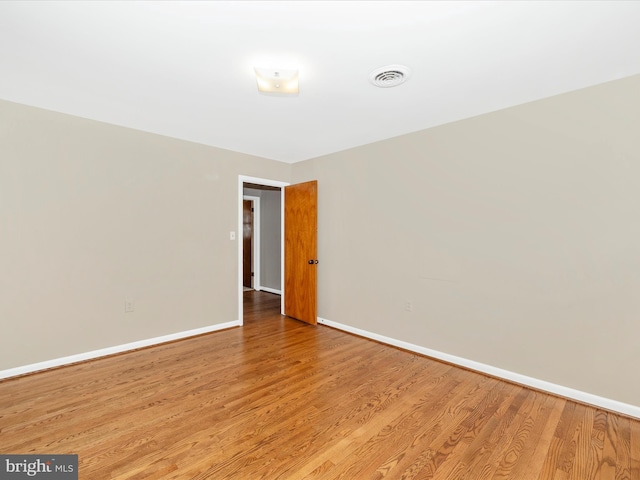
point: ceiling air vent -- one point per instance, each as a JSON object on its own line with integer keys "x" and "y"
{"x": 389, "y": 76}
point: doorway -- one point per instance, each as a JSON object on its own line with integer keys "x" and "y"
{"x": 296, "y": 245}
{"x": 260, "y": 184}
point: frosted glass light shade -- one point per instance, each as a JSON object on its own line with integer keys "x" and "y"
{"x": 277, "y": 82}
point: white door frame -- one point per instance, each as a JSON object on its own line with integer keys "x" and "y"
{"x": 242, "y": 179}
{"x": 255, "y": 241}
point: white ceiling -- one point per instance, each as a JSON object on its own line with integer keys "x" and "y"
{"x": 185, "y": 69}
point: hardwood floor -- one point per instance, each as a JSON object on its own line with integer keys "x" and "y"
{"x": 279, "y": 399}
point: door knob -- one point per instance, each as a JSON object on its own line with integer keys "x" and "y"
{"x": 311, "y": 262}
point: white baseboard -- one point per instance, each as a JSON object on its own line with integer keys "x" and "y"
{"x": 583, "y": 397}
{"x": 58, "y": 362}
{"x": 271, "y": 290}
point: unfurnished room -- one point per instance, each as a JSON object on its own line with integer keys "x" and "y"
{"x": 320, "y": 240}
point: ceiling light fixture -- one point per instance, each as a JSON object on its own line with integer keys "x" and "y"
{"x": 389, "y": 76}
{"x": 272, "y": 81}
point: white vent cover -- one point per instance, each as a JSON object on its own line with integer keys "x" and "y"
{"x": 389, "y": 76}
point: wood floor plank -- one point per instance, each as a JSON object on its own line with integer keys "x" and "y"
{"x": 623, "y": 453}
{"x": 582, "y": 467}
{"x": 477, "y": 458}
{"x": 508, "y": 431}
{"x": 539, "y": 443}
{"x": 279, "y": 399}
{"x": 519, "y": 460}
{"x": 604, "y": 470}
{"x": 570, "y": 425}
{"x": 409, "y": 456}
{"x": 634, "y": 451}
{"x": 377, "y": 444}
{"x": 549, "y": 469}
{"x": 473, "y": 430}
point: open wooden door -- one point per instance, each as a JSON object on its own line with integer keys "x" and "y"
{"x": 301, "y": 250}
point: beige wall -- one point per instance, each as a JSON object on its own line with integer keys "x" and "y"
{"x": 515, "y": 235}
{"x": 92, "y": 214}
{"x": 271, "y": 226}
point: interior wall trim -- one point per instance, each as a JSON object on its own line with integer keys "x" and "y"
{"x": 103, "y": 352}
{"x": 555, "y": 389}
{"x": 271, "y": 290}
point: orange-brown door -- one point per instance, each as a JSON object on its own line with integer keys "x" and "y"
{"x": 300, "y": 247}
{"x": 247, "y": 234}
